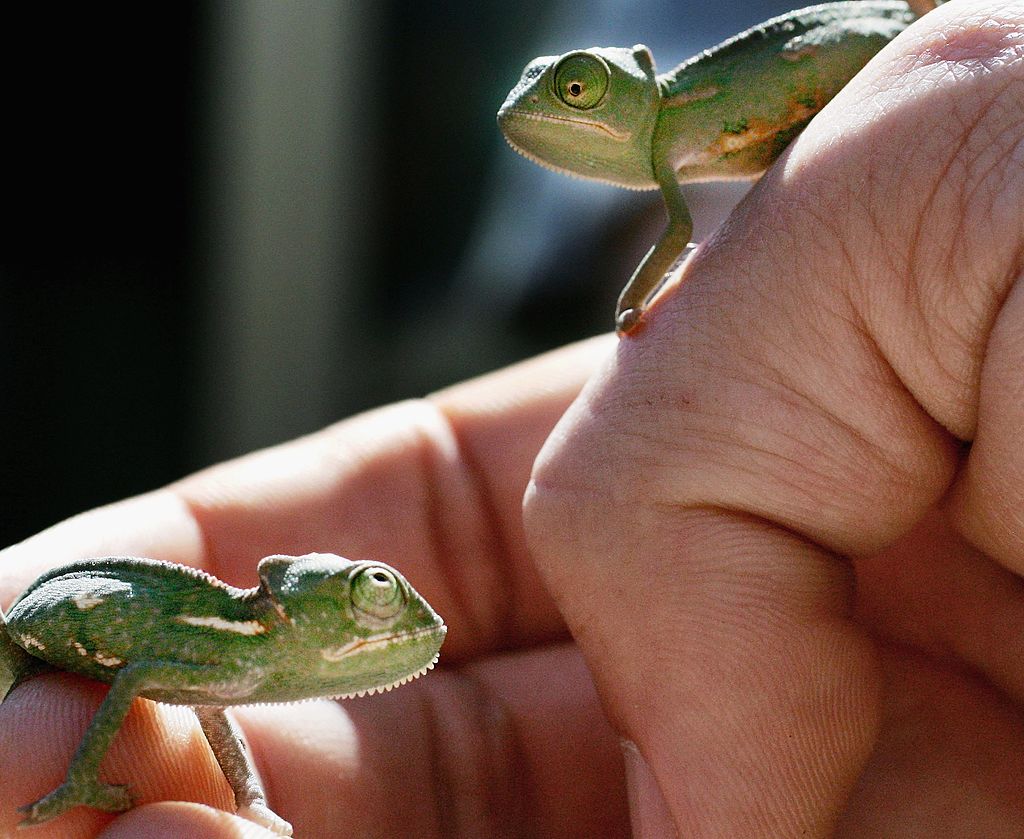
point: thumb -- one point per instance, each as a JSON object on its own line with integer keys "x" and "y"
{"x": 691, "y": 511}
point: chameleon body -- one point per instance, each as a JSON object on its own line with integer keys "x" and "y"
{"x": 315, "y": 626}
{"x": 604, "y": 114}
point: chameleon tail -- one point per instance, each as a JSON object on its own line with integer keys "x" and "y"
{"x": 16, "y": 665}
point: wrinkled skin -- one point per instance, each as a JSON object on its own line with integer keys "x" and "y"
{"x": 781, "y": 522}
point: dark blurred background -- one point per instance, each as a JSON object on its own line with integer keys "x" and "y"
{"x": 232, "y": 223}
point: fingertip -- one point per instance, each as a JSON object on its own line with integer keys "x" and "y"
{"x": 649, "y": 814}
{"x": 174, "y": 819}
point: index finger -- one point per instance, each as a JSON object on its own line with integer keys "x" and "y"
{"x": 433, "y": 487}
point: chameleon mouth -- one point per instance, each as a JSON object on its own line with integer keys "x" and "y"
{"x": 373, "y": 642}
{"x": 591, "y": 125}
{"x": 385, "y": 688}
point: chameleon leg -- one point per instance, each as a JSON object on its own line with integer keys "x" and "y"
{"x": 229, "y": 749}
{"x": 16, "y": 665}
{"x": 82, "y": 784}
{"x": 653, "y": 268}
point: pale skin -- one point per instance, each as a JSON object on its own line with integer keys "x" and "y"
{"x": 803, "y": 395}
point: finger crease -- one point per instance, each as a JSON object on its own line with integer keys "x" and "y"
{"x": 494, "y": 549}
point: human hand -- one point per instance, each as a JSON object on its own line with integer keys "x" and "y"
{"x": 506, "y": 736}
{"x": 804, "y": 395}
{"x": 795, "y": 582}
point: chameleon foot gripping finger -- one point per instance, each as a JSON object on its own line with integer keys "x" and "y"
{"x": 603, "y": 114}
{"x": 629, "y": 311}
{"x": 82, "y": 786}
{"x": 652, "y": 270}
{"x": 316, "y": 626}
{"x": 111, "y": 798}
{"x": 229, "y": 749}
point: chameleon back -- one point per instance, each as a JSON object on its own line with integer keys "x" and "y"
{"x": 730, "y": 111}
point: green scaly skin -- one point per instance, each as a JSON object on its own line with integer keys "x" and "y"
{"x": 603, "y": 113}
{"x": 316, "y": 626}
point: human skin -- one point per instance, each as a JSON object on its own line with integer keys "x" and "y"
{"x": 510, "y": 717}
{"x": 795, "y": 584}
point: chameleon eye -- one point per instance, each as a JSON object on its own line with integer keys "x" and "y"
{"x": 581, "y": 80}
{"x": 376, "y": 592}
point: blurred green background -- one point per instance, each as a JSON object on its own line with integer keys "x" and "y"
{"x": 232, "y": 223}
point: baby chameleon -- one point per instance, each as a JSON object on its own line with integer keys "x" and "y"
{"x": 727, "y": 113}
{"x": 316, "y": 626}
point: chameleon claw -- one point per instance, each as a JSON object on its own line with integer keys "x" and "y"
{"x": 627, "y": 321}
{"x": 265, "y": 817}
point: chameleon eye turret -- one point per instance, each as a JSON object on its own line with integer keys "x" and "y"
{"x": 376, "y": 593}
{"x": 581, "y": 80}
{"x": 589, "y": 113}
{"x": 316, "y": 626}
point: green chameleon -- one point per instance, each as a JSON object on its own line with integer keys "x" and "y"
{"x": 316, "y": 626}
{"x": 727, "y": 113}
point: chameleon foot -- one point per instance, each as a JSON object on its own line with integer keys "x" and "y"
{"x": 628, "y": 320}
{"x": 111, "y": 798}
{"x": 265, "y": 817}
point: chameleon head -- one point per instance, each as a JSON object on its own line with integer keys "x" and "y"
{"x": 589, "y": 113}
{"x": 355, "y": 627}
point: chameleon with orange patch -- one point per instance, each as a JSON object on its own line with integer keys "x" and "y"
{"x": 727, "y": 113}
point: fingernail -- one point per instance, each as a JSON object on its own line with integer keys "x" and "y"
{"x": 649, "y": 815}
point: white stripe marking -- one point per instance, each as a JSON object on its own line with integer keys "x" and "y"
{"x": 214, "y": 622}
{"x": 371, "y": 642}
{"x": 360, "y": 645}
{"x": 86, "y": 600}
{"x": 106, "y": 660}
